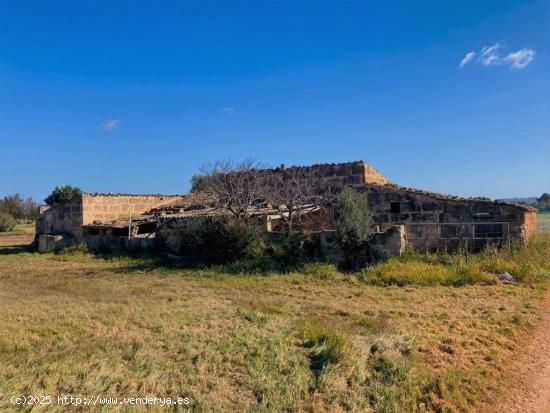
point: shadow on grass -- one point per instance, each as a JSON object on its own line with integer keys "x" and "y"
{"x": 127, "y": 261}
{"x": 16, "y": 249}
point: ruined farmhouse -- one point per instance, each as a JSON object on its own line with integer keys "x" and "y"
{"x": 404, "y": 217}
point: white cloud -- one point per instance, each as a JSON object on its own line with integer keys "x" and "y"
{"x": 493, "y": 56}
{"x": 490, "y": 55}
{"x": 230, "y": 110}
{"x": 467, "y": 59}
{"x": 110, "y": 125}
{"x": 520, "y": 59}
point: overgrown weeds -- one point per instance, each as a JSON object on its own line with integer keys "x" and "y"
{"x": 319, "y": 270}
{"x": 528, "y": 263}
{"x": 413, "y": 268}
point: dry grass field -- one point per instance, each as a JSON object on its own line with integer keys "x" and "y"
{"x": 73, "y": 323}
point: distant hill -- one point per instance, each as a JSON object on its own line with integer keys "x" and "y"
{"x": 542, "y": 203}
{"x": 527, "y": 200}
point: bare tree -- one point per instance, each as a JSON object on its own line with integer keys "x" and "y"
{"x": 297, "y": 191}
{"x": 239, "y": 187}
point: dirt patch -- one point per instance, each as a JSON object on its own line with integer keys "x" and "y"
{"x": 530, "y": 388}
{"x": 11, "y": 240}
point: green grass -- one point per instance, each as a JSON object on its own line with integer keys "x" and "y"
{"x": 20, "y": 229}
{"x": 529, "y": 264}
{"x": 543, "y": 222}
{"x": 316, "y": 340}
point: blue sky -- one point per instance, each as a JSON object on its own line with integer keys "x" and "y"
{"x": 133, "y": 96}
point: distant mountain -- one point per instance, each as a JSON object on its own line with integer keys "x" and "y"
{"x": 527, "y": 200}
{"x": 542, "y": 203}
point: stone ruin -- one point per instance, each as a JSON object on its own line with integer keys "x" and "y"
{"x": 404, "y": 217}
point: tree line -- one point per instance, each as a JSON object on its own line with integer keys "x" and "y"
{"x": 17, "y": 208}
{"x": 543, "y": 203}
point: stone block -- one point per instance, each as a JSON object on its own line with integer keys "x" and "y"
{"x": 47, "y": 243}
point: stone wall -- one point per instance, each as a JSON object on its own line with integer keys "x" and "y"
{"x": 342, "y": 174}
{"x": 62, "y": 219}
{"x": 382, "y": 246}
{"x": 68, "y": 218}
{"x": 530, "y": 224}
{"x": 391, "y": 205}
{"x": 107, "y": 207}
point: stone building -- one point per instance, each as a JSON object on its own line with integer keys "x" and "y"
{"x": 68, "y": 220}
{"x": 426, "y": 220}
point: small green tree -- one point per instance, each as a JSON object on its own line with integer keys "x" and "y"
{"x": 218, "y": 240}
{"x": 7, "y": 222}
{"x": 354, "y": 223}
{"x": 61, "y": 194}
{"x": 543, "y": 203}
{"x": 201, "y": 183}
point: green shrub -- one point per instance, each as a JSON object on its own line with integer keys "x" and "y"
{"x": 255, "y": 265}
{"x": 289, "y": 253}
{"x": 319, "y": 270}
{"x": 61, "y": 194}
{"x": 354, "y": 223}
{"x": 278, "y": 256}
{"x": 219, "y": 240}
{"x": 7, "y": 222}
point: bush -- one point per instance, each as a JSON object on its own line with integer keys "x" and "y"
{"x": 219, "y": 240}
{"x": 276, "y": 256}
{"x": 289, "y": 253}
{"x": 61, "y": 194}
{"x": 7, "y": 222}
{"x": 354, "y": 223}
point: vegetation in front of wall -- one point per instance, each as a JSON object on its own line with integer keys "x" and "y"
{"x": 527, "y": 263}
{"x": 415, "y": 269}
{"x": 353, "y": 222}
{"x": 62, "y": 194}
{"x": 7, "y": 222}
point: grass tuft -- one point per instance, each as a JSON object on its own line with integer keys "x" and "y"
{"x": 326, "y": 345}
{"x": 320, "y": 270}
{"x": 256, "y": 317}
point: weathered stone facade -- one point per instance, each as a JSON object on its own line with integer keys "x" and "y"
{"x": 342, "y": 174}
{"x": 62, "y": 219}
{"x": 430, "y": 220}
{"x": 68, "y": 218}
{"x": 382, "y": 246}
{"x": 437, "y": 221}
